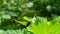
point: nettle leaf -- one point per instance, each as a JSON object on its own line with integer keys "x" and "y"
{"x": 30, "y": 4}
{"x": 9, "y": 13}
{"x": 33, "y": 20}
{"x": 6, "y": 16}
{"x": 55, "y": 20}
{"x": 44, "y": 28}
{"x": 12, "y": 14}
{"x": 37, "y": 20}
{"x": 23, "y": 22}
{"x": 26, "y": 18}
{"x": 23, "y": 31}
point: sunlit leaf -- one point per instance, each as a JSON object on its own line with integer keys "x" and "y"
{"x": 26, "y": 18}
{"x": 23, "y": 22}
{"x": 6, "y": 16}
{"x": 30, "y": 4}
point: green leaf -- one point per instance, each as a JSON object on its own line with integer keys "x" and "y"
{"x": 26, "y": 18}
{"x": 23, "y": 31}
{"x": 45, "y": 28}
{"x": 6, "y": 16}
{"x": 12, "y": 14}
{"x": 55, "y": 20}
{"x": 30, "y": 4}
{"x": 23, "y": 22}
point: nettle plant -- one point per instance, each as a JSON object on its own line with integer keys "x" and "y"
{"x": 24, "y": 31}
{"x": 42, "y": 26}
{"x": 14, "y": 9}
{"x": 20, "y": 11}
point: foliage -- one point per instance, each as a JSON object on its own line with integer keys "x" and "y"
{"x": 46, "y": 27}
{"x": 42, "y": 26}
{"x": 24, "y": 31}
{"x": 41, "y": 16}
